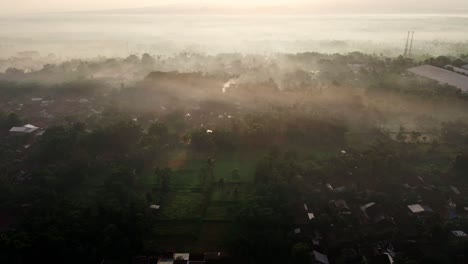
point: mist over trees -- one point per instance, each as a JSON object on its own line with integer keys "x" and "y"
{"x": 265, "y": 158}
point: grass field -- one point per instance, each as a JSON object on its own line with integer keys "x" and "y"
{"x": 182, "y": 205}
{"x": 198, "y": 217}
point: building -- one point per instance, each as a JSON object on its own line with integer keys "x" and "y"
{"x": 456, "y": 69}
{"x": 340, "y": 206}
{"x": 24, "y": 130}
{"x": 459, "y": 233}
{"x": 419, "y": 209}
{"x": 319, "y": 258}
{"x": 443, "y": 76}
{"x": 373, "y": 212}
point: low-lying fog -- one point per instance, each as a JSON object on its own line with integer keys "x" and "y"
{"x": 118, "y": 34}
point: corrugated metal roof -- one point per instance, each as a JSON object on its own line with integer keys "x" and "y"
{"x": 442, "y": 76}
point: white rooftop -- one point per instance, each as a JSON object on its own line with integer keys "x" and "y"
{"x": 319, "y": 257}
{"x": 24, "y": 129}
{"x": 459, "y": 70}
{"x": 364, "y": 207}
{"x": 417, "y": 208}
{"x": 459, "y": 233}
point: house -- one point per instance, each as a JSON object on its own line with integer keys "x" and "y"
{"x": 459, "y": 233}
{"x": 340, "y": 206}
{"x": 155, "y": 206}
{"x": 24, "y": 130}
{"x": 319, "y": 258}
{"x": 456, "y": 69}
{"x": 310, "y": 216}
{"x": 419, "y": 209}
{"x": 373, "y": 212}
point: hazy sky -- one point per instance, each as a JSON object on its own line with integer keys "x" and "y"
{"x": 26, "y": 6}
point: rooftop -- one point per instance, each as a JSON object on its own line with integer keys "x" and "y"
{"x": 417, "y": 208}
{"x": 442, "y": 76}
{"x": 24, "y": 129}
{"x": 320, "y": 258}
{"x": 459, "y": 233}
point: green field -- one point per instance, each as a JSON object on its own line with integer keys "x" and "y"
{"x": 182, "y": 205}
{"x": 197, "y": 216}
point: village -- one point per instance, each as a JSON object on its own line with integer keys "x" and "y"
{"x": 196, "y": 168}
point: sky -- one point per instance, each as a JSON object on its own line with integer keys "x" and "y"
{"x": 352, "y": 6}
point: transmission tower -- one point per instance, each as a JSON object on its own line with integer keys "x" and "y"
{"x": 411, "y": 45}
{"x": 406, "y": 47}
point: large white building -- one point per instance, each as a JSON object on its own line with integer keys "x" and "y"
{"x": 443, "y": 76}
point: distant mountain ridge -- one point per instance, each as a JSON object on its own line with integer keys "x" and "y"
{"x": 284, "y": 9}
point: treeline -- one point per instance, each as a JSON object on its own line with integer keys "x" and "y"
{"x": 82, "y": 202}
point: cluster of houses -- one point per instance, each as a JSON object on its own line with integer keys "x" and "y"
{"x": 388, "y": 227}
{"x": 49, "y": 111}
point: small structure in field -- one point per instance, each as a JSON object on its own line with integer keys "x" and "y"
{"x": 25, "y": 130}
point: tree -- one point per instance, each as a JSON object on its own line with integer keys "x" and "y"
{"x": 159, "y": 130}
{"x": 415, "y": 136}
{"x": 401, "y": 134}
{"x": 147, "y": 61}
{"x": 165, "y": 176}
{"x": 9, "y": 121}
